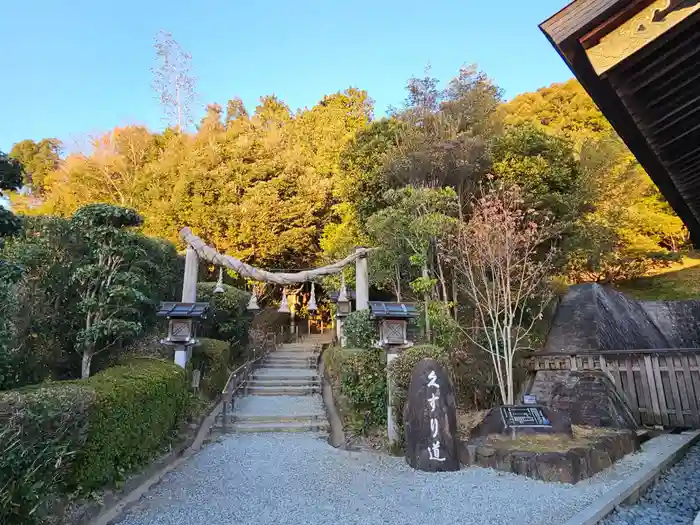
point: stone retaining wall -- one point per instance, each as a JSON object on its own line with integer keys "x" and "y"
{"x": 571, "y": 466}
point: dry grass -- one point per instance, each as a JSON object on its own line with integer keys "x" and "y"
{"x": 467, "y": 420}
{"x": 583, "y": 436}
{"x": 675, "y": 282}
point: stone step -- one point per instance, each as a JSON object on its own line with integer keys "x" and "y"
{"x": 296, "y": 350}
{"x": 282, "y": 372}
{"x": 287, "y": 375}
{"x": 281, "y": 390}
{"x": 307, "y": 362}
{"x": 274, "y": 418}
{"x": 280, "y": 427}
{"x": 284, "y": 382}
{"x": 290, "y": 355}
{"x": 287, "y": 365}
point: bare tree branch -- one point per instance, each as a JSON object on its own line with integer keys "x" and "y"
{"x": 503, "y": 270}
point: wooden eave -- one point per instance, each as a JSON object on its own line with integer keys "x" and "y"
{"x": 650, "y": 97}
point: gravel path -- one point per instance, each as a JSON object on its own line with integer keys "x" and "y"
{"x": 297, "y": 479}
{"x": 279, "y": 405}
{"x": 674, "y": 500}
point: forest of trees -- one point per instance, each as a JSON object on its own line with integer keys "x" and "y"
{"x": 479, "y": 209}
{"x": 287, "y": 189}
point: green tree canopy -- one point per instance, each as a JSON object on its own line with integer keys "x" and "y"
{"x": 38, "y": 160}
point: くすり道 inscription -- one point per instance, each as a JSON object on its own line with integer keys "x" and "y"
{"x": 430, "y": 419}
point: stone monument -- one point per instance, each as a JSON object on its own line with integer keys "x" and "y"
{"x": 430, "y": 420}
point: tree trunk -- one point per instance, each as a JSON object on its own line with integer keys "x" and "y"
{"x": 398, "y": 283}
{"x": 87, "y": 361}
{"x": 454, "y": 295}
{"x": 443, "y": 283}
{"x": 425, "y": 302}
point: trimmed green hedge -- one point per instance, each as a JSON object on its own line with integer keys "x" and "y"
{"x": 363, "y": 383}
{"x": 41, "y": 430}
{"x": 137, "y": 408}
{"x": 57, "y": 438}
{"x": 212, "y": 357}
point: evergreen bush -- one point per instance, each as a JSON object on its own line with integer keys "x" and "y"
{"x": 42, "y": 429}
{"x": 138, "y": 406}
{"x": 228, "y": 319}
{"x": 363, "y": 384}
{"x": 212, "y": 357}
{"x": 42, "y": 311}
{"x": 360, "y": 330}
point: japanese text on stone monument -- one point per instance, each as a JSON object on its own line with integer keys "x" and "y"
{"x": 434, "y": 449}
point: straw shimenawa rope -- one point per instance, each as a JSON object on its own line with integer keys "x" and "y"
{"x": 207, "y": 253}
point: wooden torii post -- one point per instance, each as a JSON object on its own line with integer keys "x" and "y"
{"x": 197, "y": 249}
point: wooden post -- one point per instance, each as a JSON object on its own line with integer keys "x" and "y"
{"x": 189, "y": 295}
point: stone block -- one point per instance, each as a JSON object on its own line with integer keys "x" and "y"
{"x": 554, "y": 466}
{"x": 486, "y": 457}
{"x": 467, "y": 453}
{"x": 522, "y": 463}
{"x": 601, "y": 458}
{"x": 588, "y": 397}
{"x": 571, "y": 466}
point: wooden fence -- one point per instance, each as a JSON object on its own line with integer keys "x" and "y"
{"x": 662, "y": 387}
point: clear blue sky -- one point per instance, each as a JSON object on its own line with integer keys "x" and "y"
{"x": 77, "y": 67}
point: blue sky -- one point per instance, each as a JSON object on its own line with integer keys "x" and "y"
{"x": 76, "y": 68}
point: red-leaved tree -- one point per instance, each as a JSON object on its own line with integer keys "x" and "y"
{"x": 503, "y": 257}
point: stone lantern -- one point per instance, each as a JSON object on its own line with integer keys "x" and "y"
{"x": 393, "y": 338}
{"x": 343, "y": 308}
{"x": 183, "y": 320}
{"x": 393, "y": 324}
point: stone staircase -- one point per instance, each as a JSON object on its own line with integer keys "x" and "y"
{"x": 282, "y": 395}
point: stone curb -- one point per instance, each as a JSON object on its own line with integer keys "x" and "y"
{"x": 337, "y": 435}
{"x": 630, "y": 490}
{"x": 107, "y": 516}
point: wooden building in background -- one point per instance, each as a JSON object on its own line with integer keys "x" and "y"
{"x": 640, "y": 62}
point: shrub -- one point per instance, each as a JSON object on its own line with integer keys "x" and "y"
{"x": 228, "y": 319}
{"x": 137, "y": 407}
{"x": 400, "y": 371}
{"x": 475, "y": 381}
{"x": 333, "y": 358}
{"x": 211, "y": 356}
{"x": 363, "y": 384}
{"x": 42, "y": 430}
{"x": 360, "y": 330}
{"x": 444, "y": 330}
{"x": 46, "y": 317}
